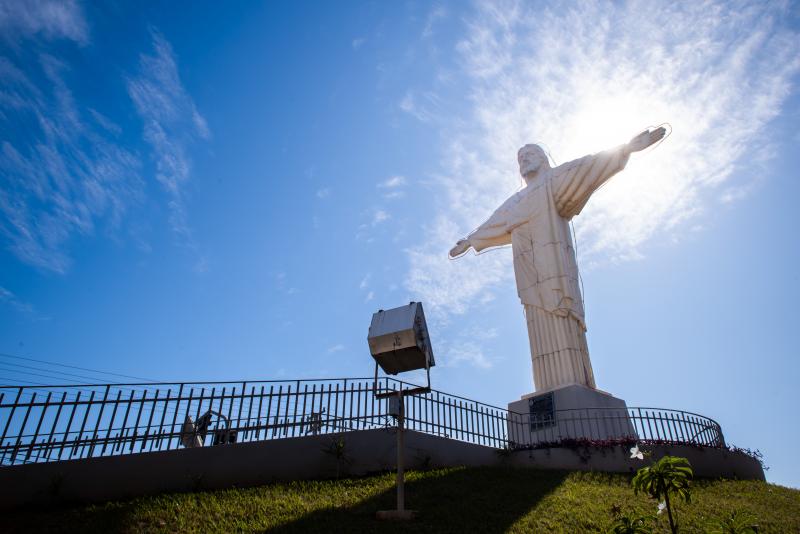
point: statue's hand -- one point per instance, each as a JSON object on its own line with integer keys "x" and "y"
{"x": 646, "y": 138}
{"x": 461, "y": 247}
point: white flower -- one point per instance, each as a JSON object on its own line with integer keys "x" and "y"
{"x": 661, "y": 506}
{"x": 636, "y": 453}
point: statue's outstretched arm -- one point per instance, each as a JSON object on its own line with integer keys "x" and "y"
{"x": 494, "y": 232}
{"x": 574, "y": 182}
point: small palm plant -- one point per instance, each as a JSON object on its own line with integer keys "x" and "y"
{"x": 624, "y": 524}
{"x": 336, "y": 448}
{"x": 668, "y": 477}
{"x": 737, "y": 522}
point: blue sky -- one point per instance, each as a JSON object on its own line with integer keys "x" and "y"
{"x": 207, "y": 191}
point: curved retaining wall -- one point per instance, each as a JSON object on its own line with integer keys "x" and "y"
{"x": 366, "y": 451}
{"x": 706, "y": 462}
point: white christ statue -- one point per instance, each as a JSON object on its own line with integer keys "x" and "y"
{"x": 535, "y": 221}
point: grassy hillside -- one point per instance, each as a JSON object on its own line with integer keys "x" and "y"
{"x": 448, "y": 500}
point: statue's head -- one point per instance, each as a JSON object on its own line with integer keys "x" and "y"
{"x": 532, "y": 161}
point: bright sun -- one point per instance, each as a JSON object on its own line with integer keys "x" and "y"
{"x": 599, "y": 123}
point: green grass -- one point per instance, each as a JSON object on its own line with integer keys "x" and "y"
{"x": 448, "y": 500}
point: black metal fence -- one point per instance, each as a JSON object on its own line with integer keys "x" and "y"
{"x": 67, "y": 422}
{"x": 54, "y": 423}
{"x": 614, "y": 424}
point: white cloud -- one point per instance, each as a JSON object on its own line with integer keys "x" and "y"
{"x": 436, "y": 14}
{"x": 469, "y": 353}
{"x": 336, "y": 348}
{"x": 12, "y": 300}
{"x": 103, "y": 121}
{"x": 201, "y": 266}
{"x": 393, "y": 182}
{"x": 70, "y": 176}
{"x": 376, "y": 216}
{"x": 282, "y": 284}
{"x": 407, "y": 103}
{"x": 53, "y": 19}
{"x": 467, "y": 348}
{"x": 393, "y": 187}
{"x": 364, "y": 286}
{"x": 358, "y": 42}
{"x": 380, "y": 216}
{"x": 733, "y": 194}
{"x": 585, "y": 79}
{"x": 424, "y": 106}
{"x": 66, "y": 178}
{"x": 365, "y": 281}
{"x": 171, "y": 124}
{"x": 325, "y": 192}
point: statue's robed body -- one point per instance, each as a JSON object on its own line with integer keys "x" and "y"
{"x": 535, "y": 221}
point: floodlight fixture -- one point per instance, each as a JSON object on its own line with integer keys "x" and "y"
{"x": 399, "y": 342}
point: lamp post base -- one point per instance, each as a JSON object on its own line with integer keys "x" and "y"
{"x": 396, "y": 515}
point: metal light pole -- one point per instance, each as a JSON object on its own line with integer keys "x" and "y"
{"x": 401, "y": 479}
{"x": 398, "y": 340}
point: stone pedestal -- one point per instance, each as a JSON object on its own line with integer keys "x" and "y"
{"x": 569, "y": 412}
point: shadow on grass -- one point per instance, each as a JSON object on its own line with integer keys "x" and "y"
{"x": 70, "y": 517}
{"x": 463, "y": 500}
{"x": 456, "y": 500}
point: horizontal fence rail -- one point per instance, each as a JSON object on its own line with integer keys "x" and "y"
{"x": 56, "y": 423}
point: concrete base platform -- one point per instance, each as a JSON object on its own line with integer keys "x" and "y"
{"x": 569, "y": 412}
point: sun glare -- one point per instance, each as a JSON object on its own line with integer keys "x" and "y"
{"x": 604, "y": 122}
